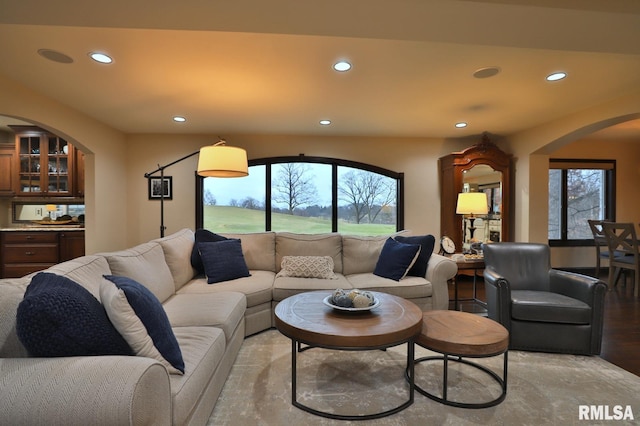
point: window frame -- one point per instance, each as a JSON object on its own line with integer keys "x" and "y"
{"x": 333, "y": 162}
{"x": 609, "y": 167}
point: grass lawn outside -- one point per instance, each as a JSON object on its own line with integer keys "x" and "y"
{"x": 227, "y": 219}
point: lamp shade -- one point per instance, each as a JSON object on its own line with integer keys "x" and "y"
{"x": 51, "y": 207}
{"x": 472, "y": 203}
{"x": 222, "y": 161}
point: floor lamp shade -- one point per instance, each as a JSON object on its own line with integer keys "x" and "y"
{"x": 222, "y": 161}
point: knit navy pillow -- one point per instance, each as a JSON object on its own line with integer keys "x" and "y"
{"x": 427, "y": 242}
{"x": 59, "y": 317}
{"x": 202, "y": 236}
{"x": 223, "y": 261}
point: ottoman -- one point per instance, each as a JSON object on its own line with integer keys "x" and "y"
{"x": 458, "y": 335}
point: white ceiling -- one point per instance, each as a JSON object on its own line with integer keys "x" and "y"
{"x": 255, "y": 66}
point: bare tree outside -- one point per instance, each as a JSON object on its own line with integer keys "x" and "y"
{"x": 208, "y": 198}
{"x": 293, "y": 186}
{"x": 585, "y": 200}
{"x": 367, "y": 193}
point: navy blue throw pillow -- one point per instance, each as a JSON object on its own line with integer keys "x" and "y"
{"x": 202, "y": 236}
{"x": 396, "y": 259}
{"x": 223, "y": 261}
{"x": 150, "y": 312}
{"x": 59, "y": 317}
{"x": 427, "y": 242}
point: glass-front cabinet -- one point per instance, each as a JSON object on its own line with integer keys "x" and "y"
{"x": 45, "y": 163}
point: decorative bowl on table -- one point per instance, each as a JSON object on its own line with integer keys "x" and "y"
{"x": 351, "y": 300}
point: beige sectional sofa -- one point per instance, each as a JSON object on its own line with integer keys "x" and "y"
{"x": 210, "y": 322}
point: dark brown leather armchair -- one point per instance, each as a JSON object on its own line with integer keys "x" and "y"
{"x": 544, "y": 309}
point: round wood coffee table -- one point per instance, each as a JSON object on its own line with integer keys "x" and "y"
{"x": 305, "y": 319}
{"x": 462, "y": 334}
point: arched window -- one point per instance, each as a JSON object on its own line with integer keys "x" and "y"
{"x": 303, "y": 194}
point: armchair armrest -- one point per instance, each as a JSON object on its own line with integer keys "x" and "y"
{"x": 106, "y": 390}
{"x": 440, "y": 270}
{"x": 581, "y": 287}
{"x": 498, "y": 294}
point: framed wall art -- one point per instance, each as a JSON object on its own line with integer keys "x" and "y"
{"x": 158, "y": 186}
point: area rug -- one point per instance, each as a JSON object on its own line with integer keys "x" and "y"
{"x": 543, "y": 389}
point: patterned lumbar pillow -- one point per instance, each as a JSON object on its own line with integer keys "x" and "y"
{"x": 139, "y": 316}
{"x": 307, "y": 267}
{"x": 59, "y": 317}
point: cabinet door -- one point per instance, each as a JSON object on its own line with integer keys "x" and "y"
{"x": 45, "y": 163}
{"x": 59, "y": 166}
{"x": 71, "y": 245}
{"x": 30, "y": 179}
{"x": 7, "y": 154}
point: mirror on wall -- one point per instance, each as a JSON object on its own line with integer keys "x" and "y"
{"x": 485, "y": 168}
{"x": 30, "y": 211}
{"x": 483, "y": 178}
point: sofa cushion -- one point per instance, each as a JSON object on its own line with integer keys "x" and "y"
{"x": 259, "y": 249}
{"x": 202, "y": 236}
{"x": 12, "y": 292}
{"x": 544, "y": 306}
{"x": 224, "y": 309}
{"x": 360, "y": 254}
{"x": 204, "y": 356}
{"x": 58, "y": 317}
{"x": 307, "y": 267}
{"x": 284, "y": 287}
{"x": 145, "y": 264}
{"x": 85, "y": 270}
{"x": 408, "y": 288}
{"x": 396, "y": 259}
{"x": 257, "y": 288}
{"x": 139, "y": 317}
{"x": 426, "y": 242}
{"x": 178, "y": 249}
{"x": 289, "y": 244}
{"x": 223, "y": 260}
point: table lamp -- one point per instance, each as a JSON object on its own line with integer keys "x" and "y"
{"x": 471, "y": 203}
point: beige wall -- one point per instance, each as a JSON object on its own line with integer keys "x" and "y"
{"x": 120, "y": 215}
{"x": 105, "y": 175}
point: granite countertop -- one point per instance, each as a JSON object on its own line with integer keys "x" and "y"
{"x": 65, "y": 228}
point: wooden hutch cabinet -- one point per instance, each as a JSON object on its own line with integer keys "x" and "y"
{"x": 44, "y": 163}
{"x": 454, "y": 169}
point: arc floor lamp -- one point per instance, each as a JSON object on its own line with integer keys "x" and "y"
{"x": 217, "y": 160}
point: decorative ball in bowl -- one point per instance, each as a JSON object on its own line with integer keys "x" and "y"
{"x": 351, "y": 300}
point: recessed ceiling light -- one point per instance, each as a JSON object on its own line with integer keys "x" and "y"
{"x": 556, "y": 76}
{"x": 179, "y": 119}
{"x": 486, "y": 72}
{"x": 342, "y": 66}
{"x": 461, "y": 124}
{"x": 55, "y": 56}
{"x": 103, "y": 58}
{"x": 325, "y": 122}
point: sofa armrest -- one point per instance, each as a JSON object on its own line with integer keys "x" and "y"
{"x": 106, "y": 390}
{"x": 440, "y": 270}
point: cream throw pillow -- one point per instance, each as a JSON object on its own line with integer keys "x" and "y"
{"x": 307, "y": 267}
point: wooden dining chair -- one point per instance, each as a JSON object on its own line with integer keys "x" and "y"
{"x": 621, "y": 238}
{"x": 600, "y": 242}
